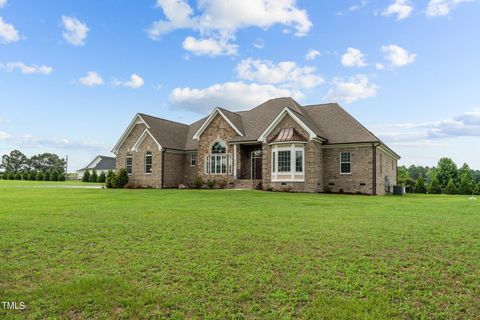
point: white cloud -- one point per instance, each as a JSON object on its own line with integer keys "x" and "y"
{"x": 4, "y": 136}
{"x": 398, "y": 56}
{"x": 466, "y": 124}
{"x": 380, "y": 66}
{"x": 286, "y": 73}
{"x": 437, "y": 8}
{"x": 220, "y": 20}
{"x": 32, "y": 69}
{"x": 135, "y": 82}
{"x": 352, "y": 89}
{"x": 355, "y": 7}
{"x": 3, "y": 3}
{"x": 92, "y": 79}
{"x": 236, "y": 95}
{"x": 31, "y": 141}
{"x": 312, "y": 54}
{"x": 259, "y": 43}
{"x": 353, "y": 58}
{"x": 401, "y": 8}
{"x": 8, "y": 33}
{"x": 209, "y": 47}
{"x": 75, "y": 31}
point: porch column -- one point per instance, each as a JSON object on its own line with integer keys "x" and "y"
{"x": 235, "y": 161}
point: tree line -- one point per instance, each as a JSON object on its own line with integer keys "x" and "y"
{"x": 43, "y": 166}
{"x": 446, "y": 177}
{"x": 111, "y": 179}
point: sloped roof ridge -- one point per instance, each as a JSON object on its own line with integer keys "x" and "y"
{"x": 163, "y": 119}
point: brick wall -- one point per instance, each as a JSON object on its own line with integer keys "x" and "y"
{"x": 386, "y": 167}
{"x": 138, "y": 176}
{"x": 219, "y": 129}
{"x": 361, "y": 178}
{"x": 174, "y": 168}
{"x": 313, "y": 160}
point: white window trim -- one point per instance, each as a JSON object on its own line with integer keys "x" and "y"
{"x": 191, "y": 160}
{"x": 145, "y": 163}
{"x": 131, "y": 166}
{"x": 341, "y": 162}
{"x": 274, "y": 173}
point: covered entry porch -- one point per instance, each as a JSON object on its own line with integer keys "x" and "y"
{"x": 248, "y": 165}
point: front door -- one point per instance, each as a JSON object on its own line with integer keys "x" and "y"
{"x": 256, "y": 170}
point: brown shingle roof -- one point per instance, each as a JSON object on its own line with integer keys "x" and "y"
{"x": 329, "y": 121}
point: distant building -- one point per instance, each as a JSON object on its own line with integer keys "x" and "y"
{"x": 99, "y": 164}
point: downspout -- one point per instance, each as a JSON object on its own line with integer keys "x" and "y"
{"x": 163, "y": 168}
{"x": 374, "y": 169}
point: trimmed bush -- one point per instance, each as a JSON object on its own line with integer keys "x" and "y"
{"x": 197, "y": 181}
{"x": 86, "y": 176}
{"x": 434, "y": 187}
{"x": 18, "y": 176}
{"x": 61, "y": 177}
{"x": 39, "y": 176}
{"x": 11, "y": 176}
{"x": 101, "y": 177}
{"x": 93, "y": 176}
{"x": 4, "y": 176}
{"x": 211, "y": 183}
{"x": 121, "y": 178}
{"x": 46, "y": 176}
{"x": 451, "y": 188}
{"x": 54, "y": 176}
{"x": 420, "y": 186}
{"x": 110, "y": 180}
{"x": 32, "y": 176}
{"x": 25, "y": 175}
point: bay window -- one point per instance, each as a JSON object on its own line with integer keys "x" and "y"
{"x": 288, "y": 162}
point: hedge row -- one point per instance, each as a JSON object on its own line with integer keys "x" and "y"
{"x": 33, "y": 176}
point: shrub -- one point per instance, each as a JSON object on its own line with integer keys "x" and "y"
{"x": 434, "y": 187}
{"x": 110, "y": 180}
{"x": 86, "y": 176}
{"x": 420, "y": 186}
{"x": 32, "y": 176}
{"x": 25, "y": 175}
{"x": 197, "y": 181}
{"x": 121, "y": 178}
{"x": 54, "y": 176}
{"x": 451, "y": 188}
{"x": 211, "y": 183}
{"x": 18, "y": 176}
{"x": 39, "y": 176}
{"x": 61, "y": 177}
{"x": 4, "y": 175}
{"x": 46, "y": 176}
{"x": 477, "y": 190}
{"x": 11, "y": 176}
{"x": 93, "y": 176}
{"x": 101, "y": 177}
{"x": 222, "y": 183}
{"x": 466, "y": 186}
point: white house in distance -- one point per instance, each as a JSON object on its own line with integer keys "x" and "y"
{"x": 99, "y": 164}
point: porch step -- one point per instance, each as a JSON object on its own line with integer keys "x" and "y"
{"x": 245, "y": 184}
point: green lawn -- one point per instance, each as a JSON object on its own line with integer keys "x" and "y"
{"x": 222, "y": 254}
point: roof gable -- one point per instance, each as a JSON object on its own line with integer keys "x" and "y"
{"x": 142, "y": 137}
{"x": 231, "y": 119}
{"x": 136, "y": 120}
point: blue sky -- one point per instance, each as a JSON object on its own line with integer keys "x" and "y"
{"x": 74, "y": 73}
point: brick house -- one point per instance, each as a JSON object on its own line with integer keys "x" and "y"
{"x": 278, "y": 145}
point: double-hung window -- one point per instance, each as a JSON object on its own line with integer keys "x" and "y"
{"x": 148, "y": 162}
{"x": 345, "y": 163}
{"x": 288, "y": 162}
{"x": 193, "y": 160}
{"x": 129, "y": 163}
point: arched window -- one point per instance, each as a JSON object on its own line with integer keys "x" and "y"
{"x": 148, "y": 162}
{"x": 218, "y": 147}
{"x": 129, "y": 163}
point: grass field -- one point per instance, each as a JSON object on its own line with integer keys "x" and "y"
{"x": 220, "y": 254}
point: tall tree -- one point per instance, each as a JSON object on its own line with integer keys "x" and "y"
{"x": 14, "y": 162}
{"x": 446, "y": 170}
{"x": 48, "y": 162}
